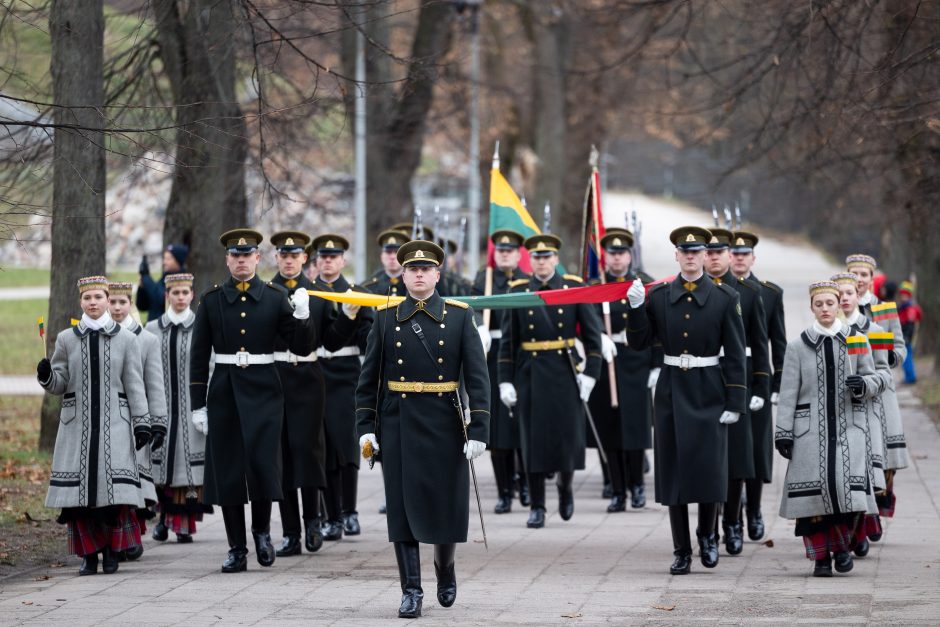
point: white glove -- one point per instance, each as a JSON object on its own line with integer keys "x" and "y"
{"x": 351, "y": 310}
{"x": 507, "y": 394}
{"x": 654, "y": 377}
{"x": 585, "y": 385}
{"x": 774, "y": 397}
{"x": 201, "y": 420}
{"x": 757, "y": 403}
{"x": 608, "y": 348}
{"x": 729, "y": 417}
{"x": 485, "y": 337}
{"x": 369, "y": 437}
{"x": 636, "y": 294}
{"x": 473, "y": 449}
{"x": 300, "y": 301}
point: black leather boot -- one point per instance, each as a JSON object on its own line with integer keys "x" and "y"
{"x": 351, "y": 524}
{"x": 861, "y": 548}
{"x": 618, "y": 503}
{"x": 134, "y": 553}
{"x": 409, "y": 573}
{"x": 237, "y": 559}
{"x": 332, "y": 530}
{"x": 160, "y": 530}
{"x": 565, "y": 495}
{"x": 264, "y": 550}
{"x": 290, "y": 546}
{"x": 503, "y": 503}
{"x": 638, "y": 496}
{"x": 313, "y": 536}
{"x": 707, "y": 537}
{"x": 843, "y": 561}
{"x": 681, "y": 540}
{"x": 823, "y": 567}
{"x": 89, "y": 565}
{"x": 184, "y": 538}
{"x": 537, "y": 490}
{"x": 755, "y": 520}
{"x": 536, "y": 518}
{"x": 734, "y": 541}
{"x": 525, "y": 497}
{"x": 350, "y": 474}
{"x": 446, "y": 573}
{"x": 109, "y": 561}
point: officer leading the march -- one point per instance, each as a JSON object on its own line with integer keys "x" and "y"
{"x": 694, "y": 319}
{"x": 242, "y": 409}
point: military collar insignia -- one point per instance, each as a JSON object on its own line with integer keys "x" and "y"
{"x": 703, "y": 289}
{"x": 253, "y": 287}
{"x": 433, "y": 306}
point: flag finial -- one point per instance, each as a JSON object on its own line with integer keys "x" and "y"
{"x": 594, "y": 157}
{"x": 496, "y": 156}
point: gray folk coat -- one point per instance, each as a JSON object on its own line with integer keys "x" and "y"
{"x": 156, "y": 402}
{"x": 181, "y": 461}
{"x": 829, "y": 471}
{"x": 104, "y": 403}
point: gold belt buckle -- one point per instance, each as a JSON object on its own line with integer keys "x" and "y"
{"x": 419, "y": 387}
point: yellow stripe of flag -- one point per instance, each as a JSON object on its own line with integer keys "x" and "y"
{"x": 502, "y": 194}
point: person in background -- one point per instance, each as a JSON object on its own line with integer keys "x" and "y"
{"x": 151, "y": 294}
{"x": 910, "y": 314}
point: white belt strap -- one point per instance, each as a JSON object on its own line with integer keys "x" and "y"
{"x": 687, "y": 362}
{"x": 293, "y": 358}
{"x": 496, "y": 334}
{"x": 244, "y": 359}
{"x": 747, "y": 351}
{"x": 346, "y": 351}
{"x": 620, "y": 337}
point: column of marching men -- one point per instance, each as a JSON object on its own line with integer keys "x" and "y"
{"x": 259, "y": 393}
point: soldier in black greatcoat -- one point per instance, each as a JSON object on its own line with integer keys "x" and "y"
{"x": 340, "y": 373}
{"x": 420, "y": 355}
{"x": 740, "y": 434}
{"x": 762, "y": 420}
{"x": 242, "y": 409}
{"x": 388, "y": 279}
{"x": 535, "y": 358}
{"x": 625, "y": 430}
{"x": 504, "y": 427}
{"x": 303, "y": 440}
{"x": 694, "y": 319}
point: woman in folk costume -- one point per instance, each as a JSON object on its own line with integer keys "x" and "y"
{"x": 885, "y": 314}
{"x": 96, "y": 368}
{"x": 822, "y": 426}
{"x": 880, "y": 342}
{"x": 119, "y": 306}
{"x": 178, "y": 466}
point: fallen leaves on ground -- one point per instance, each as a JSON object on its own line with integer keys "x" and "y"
{"x": 665, "y": 608}
{"x": 768, "y": 543}
{"x": 572, "y": 615}
{"x": 42, "y": 578}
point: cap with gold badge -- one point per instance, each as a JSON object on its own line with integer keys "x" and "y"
{"x": 392, "y": 239}
{"x": 425, "y": 233}
{"x": 241, "y": 240}
{"x": 330, "y": 244}
{"x": 290, "y": 241}
{"x": 743, "y": 242}
{"x": 690, "y": 238}
{"x": 543, "y": 244}
{"x": 720, "y": 239}
{"x": 506, "y": 239}
{"x": 617, "y": 240}
{"x": 420, "y": 252}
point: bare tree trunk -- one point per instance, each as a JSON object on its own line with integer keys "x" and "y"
{"x": 197, "y": 46}
{"x": 78, "y": 184}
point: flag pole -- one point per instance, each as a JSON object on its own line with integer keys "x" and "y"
{"x": 488, "y": 280}
{"x": 605, "y": 307}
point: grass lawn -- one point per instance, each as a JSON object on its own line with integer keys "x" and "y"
{"x": 36, "y": 277}
{"x": 29, "y": 535}
{"x": 20, "y": 348}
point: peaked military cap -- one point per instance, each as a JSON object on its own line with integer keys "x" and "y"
{"x": 506, "y": 239}
{"x": 690, "y": 237}
{"x": 542, "y": 244}
{"x": 743, "y": 242}
{"x": 392, "y": 239}
{"x": 720, "y": 239}
{"x": 617, "y": 239}
{"x": 419, "y": 252}
{"x": 290, "y": 241}
{"x": 330, "y": 244}
{"x": 425, "y": 233}
{"x": 241, "y": 240}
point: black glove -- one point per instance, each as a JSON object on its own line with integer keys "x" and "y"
{"x": 892, "y": 359}
{"x": 144, "y": 266}
{"x": 156, "y": 440}
{"x": 43, "y": 370}
{"x": 785, "y": 448}
{"x": 856, "y": 384}
{"x": 141, "y": 438}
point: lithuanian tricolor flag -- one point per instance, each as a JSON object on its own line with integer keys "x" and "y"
{"x": 881, "y": 341}
{"x": 856, "y": 344}
{"x": 507, "y": 212}
{"x": 884, "y": 311}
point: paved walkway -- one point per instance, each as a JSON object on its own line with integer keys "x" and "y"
{"x": 596, "y": 568}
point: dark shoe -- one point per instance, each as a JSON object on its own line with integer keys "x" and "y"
{"x": 332, "y": 530}
{"x": 109, "y": 561}
{"x": 755, "y": 524}
{"x": 875, "y": 537}
{"x": 410, "y": 606}
{"x": 351, "y": 524}
{"x": 236, "y": 562}
{"x": 565, "y": 502}
{"x": 638, "y": 496}
{"x": 264, "y": 550}
{"x": 290, "y": 546}
{"x": 536, "y": 519}
{"x": 734, "y": 540}
{"x": 708, "y": 548}
{"x": 160, "y": 532}
{"x": 89, "y": 565}
{"x": 313, "y": 537}
{"x": 134, "y": 553}
{"x": 503, "y": 505}
{"x": 446, "y": 574}
{"x": 383, "y": 509}
{"x": 524, "y": 499}
{"x": 184, "y": 538}
{"x": 409, "y": 573}
{"x": 861, "y": 548}
{"x": 843, "y": 561}
{"x": 823, "y": 567}
{"x": 617, "y": 504}
{"x": 607, "y": 492}
{"x": 682, "y": 565}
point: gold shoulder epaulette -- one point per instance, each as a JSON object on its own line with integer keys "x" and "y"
{"x": 518, "y": 282}
{"x": 385, "y": 306}
{"x": 573, "y": 277}
{"x": 456, "y": 303}
{"x": 749, "y": 284}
